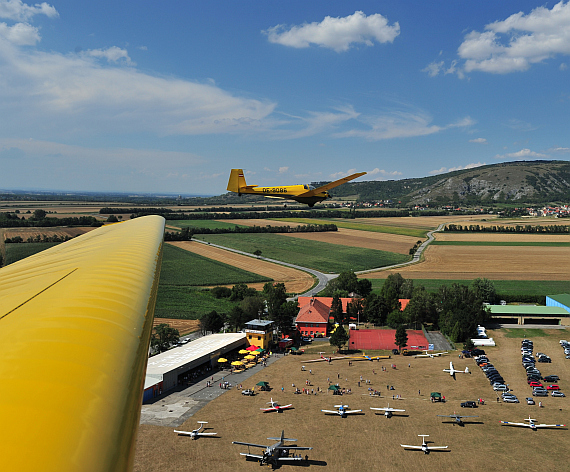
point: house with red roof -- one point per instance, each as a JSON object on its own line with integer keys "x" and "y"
{"x": 314, "y": 314}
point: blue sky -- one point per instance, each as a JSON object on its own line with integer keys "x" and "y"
{"x": 168, "y": 96}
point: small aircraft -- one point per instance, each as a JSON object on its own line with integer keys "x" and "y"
{"x": 388, "y": 412}
{"x": 453, "y": 371}
{"x": 424, "y": 447}
{"x": 430, "y": 354}
{"x": 275, "y": 407}
{"x": 274, "y": 453}
{"x": 195, "y": 433}
{"x": 531, "y": 424}
{"x": 364, "y": 357}
{"x": 457, "y": 418}
{"x": 342, "y": 411}
{"x": 300, "y": 193}
{"x": 325, "y": 358}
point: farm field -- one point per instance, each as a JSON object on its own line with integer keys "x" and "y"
{"x": 491, "y": 262}
{"x": 296, "y": 281}
{"x": 15, "y": 252}
{"x": 211, "y": 224}
{"x": 25, "y": 233}
{"x": 371, "y": 441}
{"x": 501, "y": 237}
{"x": 187, "y": 303}
{"x": 183, "y": 326}
{"x": 333, "y": 258}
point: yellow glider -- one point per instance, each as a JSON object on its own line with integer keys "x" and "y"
{"x": 299, "y": 193}
{"x": 75, "y": 326}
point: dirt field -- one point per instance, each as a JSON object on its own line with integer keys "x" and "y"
{"x": 295, "y": 281}
{"x": 25, "y": 233}
{"x": 370, "y": 441}
{"x": 503, "y": 237}
{"x": 183, "y": 326}
{"x": 492, "y": 262}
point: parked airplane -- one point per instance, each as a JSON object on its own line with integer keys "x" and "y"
{"x": 424, "y": 447}
{"x": 275, "y": 407}
{"x": 531, "y": 424}
{"x": 300, "y": 193}
{"x": 196, "y": 432}
{"x": 364, "y": 357}
{"x": 325, "y": 358}
{"x": 430, "y": 354}
{"x": 457, "y": 418}
{"x": 274, "y": 453}
{"x": 453, "y": 371}
{"x": 342, "y": 411}
{"x": 388, "y": 412}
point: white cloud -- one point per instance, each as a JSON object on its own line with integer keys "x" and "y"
{"x": 20, "y": 34}
{"x": 341, "y": 174}
{"x": 383, "y": 174}
{"x": 112, "y": 54}
{"x": 18, "y": 11}
{"x": 522, "y": 154}
{"x": 443, "y": 170}
{"x": 339, "y": 34}
{"x": 478, "y": 140}
{"x": 562, "y": 150}
{"x": 514, "y": 44}
{"x": 282, "y": 170}
{"x": 433, "y": 69}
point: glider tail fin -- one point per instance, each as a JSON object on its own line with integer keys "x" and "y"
{"x": 237, "y": 181}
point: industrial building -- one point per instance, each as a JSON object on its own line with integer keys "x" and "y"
{"x": 164, "y": 371}
{"x": 562, "y": 301}
{"x": 529, "y": 314}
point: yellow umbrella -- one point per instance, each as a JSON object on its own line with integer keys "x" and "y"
{"x": 249, "y": 357}
{"x": 221, "y": 359}
{"x": 244, "y": 351}
{"x": 237, "y": 363}
{"x": 257, "y": 353}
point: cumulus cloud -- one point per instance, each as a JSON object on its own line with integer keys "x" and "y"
{"x": 443, "y": 170}
{"x": 339, "y": 34}
{"x": 112, "y": 54}
{"x": 560, "y": 150}
{"x": 20, "y": 34}
{"x": 282, "y": 170}
{"x": 18, "y": 11}
{"x": 341, "y": 174}
{"x": 381, "y": 174}
{"x": 522, "y": 154}
{"x": 478, "y": 140}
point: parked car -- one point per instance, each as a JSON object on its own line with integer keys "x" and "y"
{"x": 469, "y": 404}
{"x": 558, "y": 393}
{"x": 553, "y": 387}
{"x": 249, "y": 392}
{"x": 500, "y": 388}
{"x": 551, "y": 378}
{"x": 529, "y": 401}
{"x": 511, "y": 400}
{"x": 539, "y": 393}
{"x": 534, "y": 383}
{"x": 545, "y": 359}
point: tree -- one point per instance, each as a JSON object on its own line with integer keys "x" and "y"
{"x": 163, "y": 337}
{"x": 237, "y": 318}
{"x": 485, "y": 290}
{"x": 353, "y": 310}
{"x": 112, "y": 219}
{"x": 257, "y": 252}
{"x": 284, "y": 317}
{"x": 375, "y": 309}
{"x": 395, "y": 318}
{"x": 339, "y": 338}
{"x": 212, "y": 322}
{"x": 221, "y": 292}
{"x": 275, "y": 295}
{"x": 347, "y": 281}
{"x": 468, "y": 344}
{"x": 364, "y": 287}
{"x": 401, "y": 337}
{"x": 39, "y": 214}
{"x": 336, "y": 309}
{"x": 391, "y": 290}
{"x": 421, "y": 308}
{"x": 252, "y": 307}
{"x": 240, "y": 291}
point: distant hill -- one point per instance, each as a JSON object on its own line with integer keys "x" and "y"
{"x": 533, "y": 182}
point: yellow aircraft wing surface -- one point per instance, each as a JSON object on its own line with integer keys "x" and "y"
{"x": 75, "y": 327}
{"x": 330, "y": 185}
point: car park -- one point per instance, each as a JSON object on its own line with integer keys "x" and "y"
{"x": 557, "y": 393}
{"x": 553, "y": 387}
{"x": 469, "y": 404}
{"x": 529, "y": 401}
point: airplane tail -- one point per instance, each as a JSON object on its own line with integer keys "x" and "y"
{"x": 237, "y": 181}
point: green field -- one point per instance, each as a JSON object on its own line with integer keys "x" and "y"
{"x": 505, "y": 287}
{"x": 524, "y": 333}
{"x": 15, "y": 252}
{"x": 183, "y": 268}
{"x": 210, "y": 224}
{"x": 500, "y": 243}
{"x": 316, "y": 255}
{"x": 187, "y": 303}
{"x": 415, "y": 233}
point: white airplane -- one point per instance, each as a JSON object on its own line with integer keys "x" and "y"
{"x": 457, "y": 418}
{"x": 342, "y": 411}
{"x": 325, "y": 358}
{"x": 274, "y": 453}
{"x": 531, "y": 424}
{"x": 195, "y": 433}
{"x": 430, "y": 354}
{"x": 424, "y": 447}
{"x": 453, "y": 371}
{"x": 388, "y": 412}
{"x": 275, "y": 407}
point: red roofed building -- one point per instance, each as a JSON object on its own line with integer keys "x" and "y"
{"x": 314, "y": 313}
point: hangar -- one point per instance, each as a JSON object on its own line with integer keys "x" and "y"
{"x": 562, "y": 300}
{"x": 165, "y": 370}
{"x": 529, "y": 314}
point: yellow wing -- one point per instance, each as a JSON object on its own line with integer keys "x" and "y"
{"x": 330, "y": 185}
{"x": 75, "y": 325}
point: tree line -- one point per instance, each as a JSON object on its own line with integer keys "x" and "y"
{"x": 12, "y": 220}
{"x": 39, "y": 238}
{"x": 553, "y": 229}
{"x": 187, "y": 233}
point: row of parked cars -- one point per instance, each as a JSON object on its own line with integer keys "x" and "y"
{"x": 566, "y": 346}
{"x": 495, "y": 379}
{"x": 534, "y": 376}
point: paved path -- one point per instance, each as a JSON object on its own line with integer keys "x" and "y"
{"x": 440, "y": 343}
{"x": 175, "y": 407}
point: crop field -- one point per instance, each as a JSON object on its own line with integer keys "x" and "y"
{"x": 370, "y": 441}
{"x": 503, "y": 287}
{"x": 501, "y": 237}
{"x": 15, "y": 252}
{"x": 25, "y": 233}
{"x": 188, "y": 303}
{"x": 491, "y": 262}
{"x": 317, "y": 255}
{"x": 211, "y": 224}
{"x": 181, "y": 267}
{"x": 183, "y": 326}
{"x": 296, "y": 281}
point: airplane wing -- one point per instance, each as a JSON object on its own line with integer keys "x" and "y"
{"x": 352, "y": 411}
{"x": 330, "y": 185}
{"x": 411, "y": 447}
{"x": 184, "y": 433}
{"x": 285, "y": 406}
{"x": 547, "y": 425}
{"x": 265, "y": 410}
{"x": 248, "y": 444}
{"x": 207, "y": 434}
{"x": 336, "y": 412}
{"x": 75, "y": 328}
{"x": 390, "y": 409}
{"x": 296, "y": 448}
{"x": 252, "y": 456}
{"x": 437, "y": 447}
{"x": 510, "y": 423}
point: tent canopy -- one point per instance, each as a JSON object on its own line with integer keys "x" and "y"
{"x": 262, "y": 384}
{"x": 252, "y": 348}
{"x": 334, "y": 387}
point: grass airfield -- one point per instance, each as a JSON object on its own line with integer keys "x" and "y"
{"x": 371, "y": 441}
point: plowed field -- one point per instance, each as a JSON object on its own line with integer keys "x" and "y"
{"x": 503, "y": 237}
{"x": 25, "y": 233}
{"x": 183, "y": 326}
{"x": 295, "y": 281}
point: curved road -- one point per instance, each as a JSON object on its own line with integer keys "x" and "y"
{"x": 323, "y": 279}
